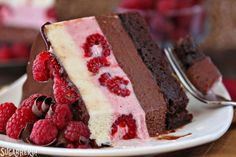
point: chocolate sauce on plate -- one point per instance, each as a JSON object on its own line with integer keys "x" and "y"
{"x": 171, "y": 137}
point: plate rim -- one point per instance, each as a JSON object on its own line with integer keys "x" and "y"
{"x": 132, "y": 151}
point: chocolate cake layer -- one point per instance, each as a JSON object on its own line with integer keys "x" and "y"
{"x": 145, "y": 88}
{"x": 188, "y": 52}
{"x": 199, "y": 68}
{"x": 203, "y": 74}
{"x": 152, "y": 56}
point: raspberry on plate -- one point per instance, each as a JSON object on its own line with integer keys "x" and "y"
{"x": 40, "y": 68}
{"x": 62, "y": 115}
{"x": 29, "y": 102}
{"x": 63, "y": 92}
{"x": 45, "y": 66}
{"x": 44, "y": 132}
{"x": 76, "y": 131}
{"x": 23, "y": 115}
{"x": 18, "y": 121}
{"x": 6, "y": 111}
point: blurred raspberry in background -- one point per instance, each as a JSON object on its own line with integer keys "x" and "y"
{"x": 230, "y": 84}
{"x": 170, "y": 20}
{"x": 20, "y": 22}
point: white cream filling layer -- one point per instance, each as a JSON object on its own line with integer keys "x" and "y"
{"x": 67, "y": 52}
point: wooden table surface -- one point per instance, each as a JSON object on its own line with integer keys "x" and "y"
{"x": 223, "y": 147}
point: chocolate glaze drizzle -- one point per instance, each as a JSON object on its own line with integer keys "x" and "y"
{"x": 47, "y": 43}
{"x": 171, "y": 137}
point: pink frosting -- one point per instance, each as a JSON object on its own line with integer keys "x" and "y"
{"x": 79, "y": 31}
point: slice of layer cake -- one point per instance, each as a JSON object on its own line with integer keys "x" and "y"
{"x": 114, "y": 83}
{"x": 118, "y": 89}
{"x": 199, "y": 68}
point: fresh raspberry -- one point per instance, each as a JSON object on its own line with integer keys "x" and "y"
{"x": 62, "y": 115}
{"x": 40, "y": 67}
{"x": 123, "y": 122}
{"x": 20, "y": 50}
{"x": 96, "y": 63}
{"x": 22, "y": 116}
{"x": 45, "y": 66}
{"x": 96, "y": 46}
{"x": 6, "y": 111}
{"x": 18, "y": 121}
{"x": 5, "y": 54}
{"x": 43, "y": 132}
{"x": 76, "y": 131}
{"x": 63, "y": 92}
{"x": 116, "y": 85}
{"x": 29, "y": 102}
{"x": 55, "y": 67}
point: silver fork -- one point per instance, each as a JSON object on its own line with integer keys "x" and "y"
{"x": 208, "y": 99}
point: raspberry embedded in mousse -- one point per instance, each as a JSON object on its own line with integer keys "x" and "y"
{"x": 124, "y": 126}
{"x": 96, "y": 63}
{"x": 116, "y": 84}
{"x": 96, "y": 45}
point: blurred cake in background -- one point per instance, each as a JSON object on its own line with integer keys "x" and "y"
{"x": 170, "y": 20}
{"x": 82, "y": 8}
{"x": 20, "y": 21}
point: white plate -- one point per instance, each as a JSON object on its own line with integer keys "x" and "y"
{"x": 208, "y": 125}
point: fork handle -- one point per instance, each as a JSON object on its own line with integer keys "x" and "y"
{"x": 224, "y": 103}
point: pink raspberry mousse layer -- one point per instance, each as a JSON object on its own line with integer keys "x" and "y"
{"x": 104, "y": 107}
